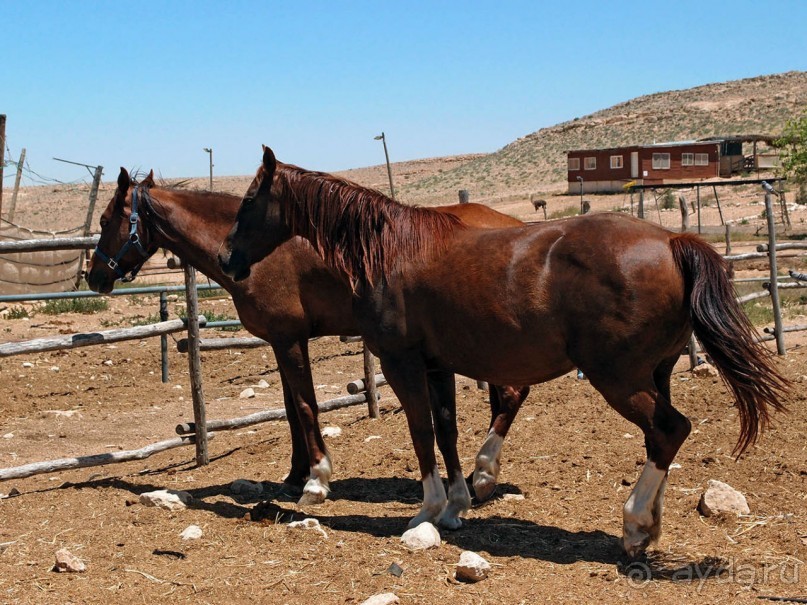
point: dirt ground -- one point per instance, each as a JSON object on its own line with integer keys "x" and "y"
{"x": 572, "y": 459}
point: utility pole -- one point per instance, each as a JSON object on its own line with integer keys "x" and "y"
{"x": 209, "y": 151}
{"x": 2, "y": 156}
{"x": 13, "y": 206}
{"x": 383, "y": 139}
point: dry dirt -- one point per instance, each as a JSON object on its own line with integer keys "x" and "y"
{"x": 571, "y": 458}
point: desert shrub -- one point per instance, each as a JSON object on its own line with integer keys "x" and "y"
{"x": 668, "y": 200}
{"x": 85, "y": 306}
{"x": 17, "y": 313}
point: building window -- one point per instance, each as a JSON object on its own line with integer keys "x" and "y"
{"x": 590, "y": 163}
{"x": 687, "y": 159}
{"x": 616, "y": 161}
{"x": 574, "y": 164}
{"x": 701, "y": 159}
{"x": 661, "y": 161}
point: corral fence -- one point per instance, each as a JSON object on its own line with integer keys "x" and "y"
{"x": 363, "y": 390}
{"x": 200, "y": 430}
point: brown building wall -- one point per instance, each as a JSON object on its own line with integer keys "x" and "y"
{"x": 676, "y": 171}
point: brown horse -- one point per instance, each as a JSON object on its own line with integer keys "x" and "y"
{"x": 312, "y": 301}
{"x": 612, "y": 295}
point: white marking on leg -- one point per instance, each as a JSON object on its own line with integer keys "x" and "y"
{"x": 459, "y": 500}
{"x": 488, "y": 465}
{"x": 639, "y": 524}
{"x": 434, "y": 499}
{"x": 318, "y": 485}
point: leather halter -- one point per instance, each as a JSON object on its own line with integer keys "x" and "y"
{"x": 133, "y": 241}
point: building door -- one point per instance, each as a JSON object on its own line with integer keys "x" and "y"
{"x": 634, "y": 164}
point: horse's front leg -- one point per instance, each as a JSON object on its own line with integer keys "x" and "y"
{"x": 295, "y": 365}
{"x": 406, "y": 374}
{"x": 443, "y": 400}
{"x": 300, "y": 464}
{"x": 505, "y": 401}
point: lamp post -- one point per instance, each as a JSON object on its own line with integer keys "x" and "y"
{"x": 580, "y": 178}
{"x": 209, "y": 151}
{"x": 383, "y": 139}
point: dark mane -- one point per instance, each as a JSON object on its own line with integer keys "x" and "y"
{"x": 370, "y": 236}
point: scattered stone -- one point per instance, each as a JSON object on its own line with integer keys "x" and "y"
{"x": 243, "y": 487}
{"x": 67, "y": 561}
{"x": 8, "y": 436}
{"x": 54, "y": 368}
{"x": 513, "y": 497}
{"x": 705, "y": 370}
{"x": 262, "y": 384}
{"x": 396, "y": 570}
{"x": 385, "y": 598}
{"x": 247, "y": 393}
{"x": 192, "y": 532}
{"x": 108, "y": 362}
{"x": 168, "y": 499}
{"x": 371, "y": 438}
{"x": 421, "y": 537}
{"x": 719, "y": 498}
{"x": 27, "y": 364}
{"x": 472, "y": 567}
{"x": 331, "y": 431}
{"x": 309, "y": 523}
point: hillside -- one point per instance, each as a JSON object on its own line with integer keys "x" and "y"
{"x": 537, "y": 163}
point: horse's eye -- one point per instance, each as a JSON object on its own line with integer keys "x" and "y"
{"x": 248, "y": 200}
{"x": 104, "y": 223}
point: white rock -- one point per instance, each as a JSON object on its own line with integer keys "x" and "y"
{"x": 192, "y": 532}
{"x": 513, "y": 497}
{"x": 331, "y": 431}
{"x": 371, "y": 438}
{"x": 246, "y": 488}
{"x": 108, "y": 362}
{"x": 54, "y": 368}
{"x": 247, "y": 393}
{"x": 8, "y": 436}
{"x": 472, "y": 567}
{"x": 705, "y": 370}
{"x": 67, "y": 561}
{"x": 719, "y": 498}
{"x": 168, "y": 499}
{"x": 27, "y": 364}
{"x": 262, "y": 384}
{"x": 421, "y": 537}
{"x": 309, "y": 523}
{"x": 385, "y": 598}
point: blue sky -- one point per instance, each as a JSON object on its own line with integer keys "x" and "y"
{"x": 149, "y": 84}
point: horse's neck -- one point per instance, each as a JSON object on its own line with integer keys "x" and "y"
{"x": 195, "y": 226}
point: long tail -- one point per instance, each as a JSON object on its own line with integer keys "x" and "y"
{"x": 728, "y": 337}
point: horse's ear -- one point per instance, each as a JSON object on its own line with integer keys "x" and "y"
{"x": 269, "y": 161}
{"x": 123, "y": 181}
{"x": 149, "y": 180}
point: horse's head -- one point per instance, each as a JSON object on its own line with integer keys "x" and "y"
{"x": 125, "y": 243}
{"x": 259, "y": 226}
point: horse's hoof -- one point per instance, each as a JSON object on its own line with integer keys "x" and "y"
{"x": 315, "y": 496}
{"x": 484, "y": 487}
{"x": 450, "y": 522}
{"x": 636, "y": 545}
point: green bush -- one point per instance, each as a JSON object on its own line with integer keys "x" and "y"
{"x": 84, "y": 306}
{"x": 17, "y": 313}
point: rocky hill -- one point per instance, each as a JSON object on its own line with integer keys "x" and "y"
{"x": 537, "y": 162}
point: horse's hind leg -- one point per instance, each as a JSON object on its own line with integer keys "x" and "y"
{"x": 505, "y": 401}
{"x": 648, "y": 406}
{"x": 443, "y": 400}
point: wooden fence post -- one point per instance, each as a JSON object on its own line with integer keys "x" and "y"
{"x": 163, "y": 337}
{"x": 13, "y": 205}
{"x": 195, "y": 366}
{"x": 774, "y": 287}
{"x": 682, "y": 203}
{"x": 464, "y": 196}
{"x": 728, "y": 239}
{"x": 96, "y": 182}
{"x": 2, "y": 156}
{"x": 369, "y": 380}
